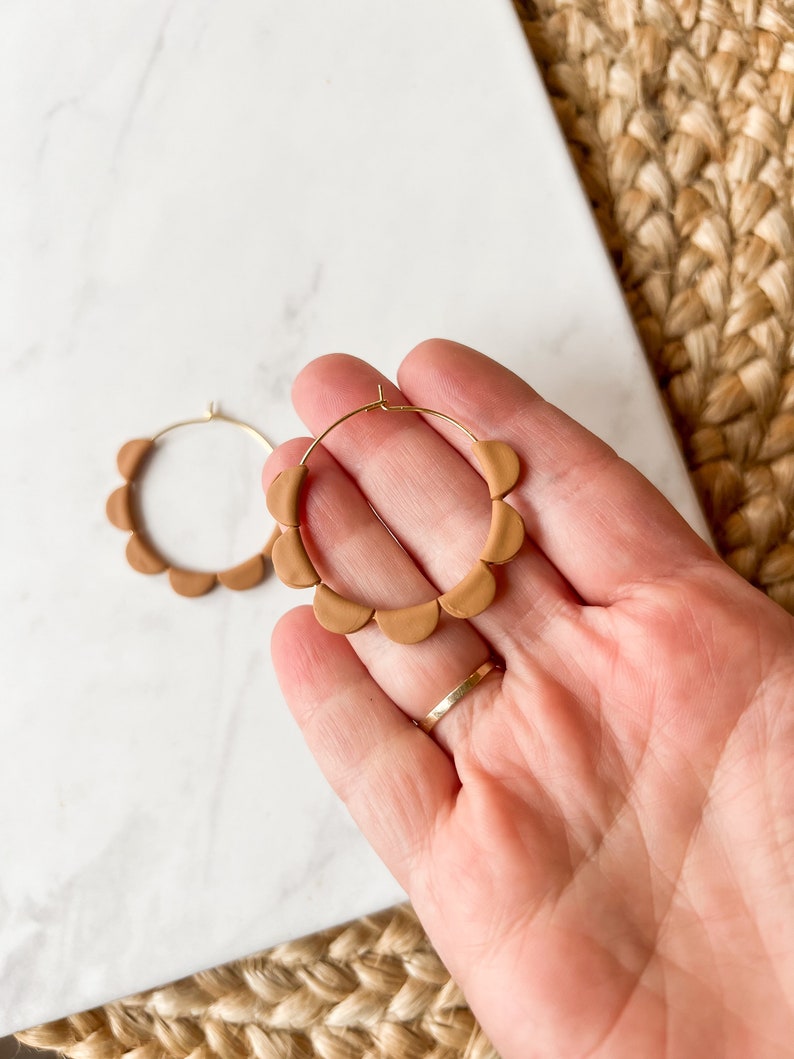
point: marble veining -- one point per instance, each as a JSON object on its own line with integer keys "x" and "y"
{"x": 198, "y": 199}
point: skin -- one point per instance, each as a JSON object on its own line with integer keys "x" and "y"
{"x": 599, "y": 840}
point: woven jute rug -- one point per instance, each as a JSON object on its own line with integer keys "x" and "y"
{"x": 678, "y": 117}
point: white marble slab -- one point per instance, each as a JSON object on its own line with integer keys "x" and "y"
{"x": 197, "y": 199}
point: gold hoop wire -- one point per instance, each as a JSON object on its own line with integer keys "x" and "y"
{"x": 383, "y": 403}
{"x": 471, "y": 596}
{"x": 122, "y": 512}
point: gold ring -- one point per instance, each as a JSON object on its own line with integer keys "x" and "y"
{"x": 455, "y": 696}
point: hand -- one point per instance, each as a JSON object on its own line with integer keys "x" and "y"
{"x": 600, "y": 840}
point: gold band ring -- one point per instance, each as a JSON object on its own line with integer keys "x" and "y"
{"x": 455, "y": 696}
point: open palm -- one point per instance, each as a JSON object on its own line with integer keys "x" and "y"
{"x": 599, "y": 840}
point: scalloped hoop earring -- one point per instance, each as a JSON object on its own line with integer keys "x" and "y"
{"x": 122, "y": 511}
{"x": 406, "y": 625}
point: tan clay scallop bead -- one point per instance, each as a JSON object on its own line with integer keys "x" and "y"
{"x": 191, "y": 583}
{"x": 119, "y": 508}
{"x": 499, "y": 465}
{"x": 252, "y": 571}
{"x": 274, "y": 536}
{"x": 283, "y": 495}
{"x": 473, "y": 595}
{"x": 409, "y": 624}
{"x": 506, "y": 534}
{"x": 142, "y": 558}
{"x": 244, "y": 575}
{"x": 291, "y": 561}
{"x": 131, "y": 455}
{"x": 337, "y": 614}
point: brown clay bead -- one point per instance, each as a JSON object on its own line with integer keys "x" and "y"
{"x": 409, "y": 624}
{"x": 119, "y": 508}
{"x": 143, "y": 558}
{"x": 292, "y": 563}
{"x": 337, "y": 614}
{"x": 274, "y": 536}
{"x": 245, "y": 575}
{"x": 283, "y": 495}
{"x": 131, "y": 455}
{"x": 506, "y": 534}
{"x": 499, "y": 464}
{"x": 473, "y": 595}
{"x": 191, "y": 583}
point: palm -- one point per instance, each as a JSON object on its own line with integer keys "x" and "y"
{"x": 584, "y": 866}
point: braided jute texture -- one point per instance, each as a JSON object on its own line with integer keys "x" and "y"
{"x": 678, "y": 116}
{"x": 370, "y": 989}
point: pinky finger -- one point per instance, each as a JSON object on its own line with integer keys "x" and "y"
{"x": 397, "y": 783}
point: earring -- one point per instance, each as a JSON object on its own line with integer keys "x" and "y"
{"x": 406, "y": 625}
{"x": 123, "y": 511}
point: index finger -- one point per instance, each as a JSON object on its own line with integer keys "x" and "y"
{"x": 600, "y": 522}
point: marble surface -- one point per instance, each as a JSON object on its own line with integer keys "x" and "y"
{"x": 197, "y": 199}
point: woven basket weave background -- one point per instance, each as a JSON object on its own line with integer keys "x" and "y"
{"x": 678, "y": 117}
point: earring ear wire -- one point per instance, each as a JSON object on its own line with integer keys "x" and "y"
{"x": 383, "y": 404}
{"x": 213, "y": 415}
{"x": 123, "y": 512}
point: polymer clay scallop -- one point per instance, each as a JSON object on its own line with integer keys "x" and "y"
{"x": 191, "y": 583}
{"x": 500, "y": 466}
{"x": 291, "y": 561}
{"x": 409, "y": 625}
{"x": 337, "y": 614}
{"x": 506, "y": 534}
{"x": 274, "y": 536}
{"x": 143, "y": 558}
{"x": 283, "y": 495}
{"x": 472, "y": 595}
{"x": 119, "y": 508}
{"x": 244, "y": 575}
{"x": 131, "y": 455}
